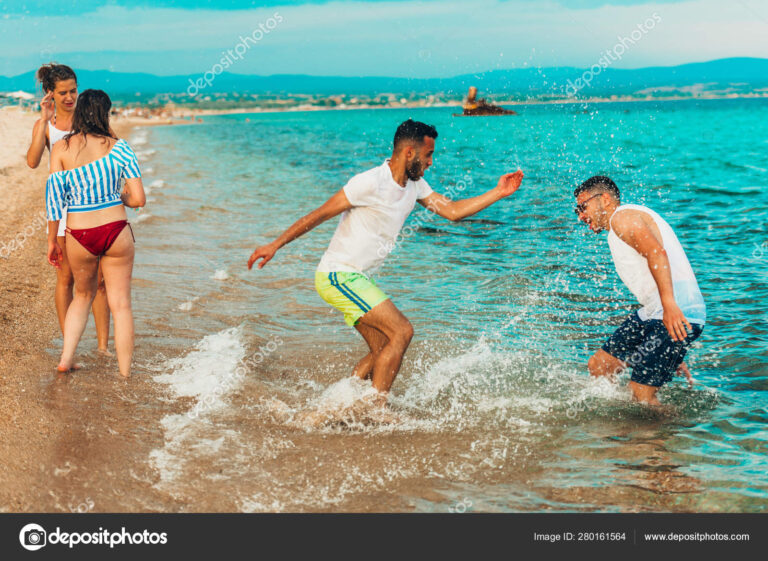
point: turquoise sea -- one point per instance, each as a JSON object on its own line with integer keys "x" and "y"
{"x": 494, "y": 408}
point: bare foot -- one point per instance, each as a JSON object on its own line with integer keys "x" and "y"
{"x": 104, "y": 352}
{"x": 61, "y": 369}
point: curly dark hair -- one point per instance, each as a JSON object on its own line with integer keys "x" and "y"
{"x": 49, "y": 74}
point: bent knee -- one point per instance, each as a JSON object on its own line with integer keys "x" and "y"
{"x": 593, "y": 364}
{"x": 599, "y": 363}
{"x": 405, "y": 332}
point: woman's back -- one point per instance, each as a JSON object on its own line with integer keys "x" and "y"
{"x": 84, "y": 149}
{"x": 87, "y": 175}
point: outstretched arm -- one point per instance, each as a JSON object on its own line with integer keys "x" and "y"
{"x": 332, "y": 207}
{"x": 457, "y": 210}
{"x": 635, "y": 232}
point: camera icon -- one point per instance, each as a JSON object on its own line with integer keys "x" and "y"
{"x": 32, "y": 537}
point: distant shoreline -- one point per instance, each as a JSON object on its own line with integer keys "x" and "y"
{"x": 179, "y": 115}
{"x": 193, "y": 112}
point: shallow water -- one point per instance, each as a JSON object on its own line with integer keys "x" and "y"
{"x": 493, "y": 409}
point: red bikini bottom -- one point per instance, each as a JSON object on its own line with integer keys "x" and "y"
{"x": 99, "y": 239}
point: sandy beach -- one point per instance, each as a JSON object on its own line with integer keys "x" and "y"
{"x": 52, "y": 423}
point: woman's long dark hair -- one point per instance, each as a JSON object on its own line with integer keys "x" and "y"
{"x": 91, "y": 115}
{"x": 49, "y": 74}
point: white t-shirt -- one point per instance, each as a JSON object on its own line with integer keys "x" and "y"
{"x": 366, "y": 233}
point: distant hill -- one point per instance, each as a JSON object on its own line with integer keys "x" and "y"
{"x": 731, "y": 73}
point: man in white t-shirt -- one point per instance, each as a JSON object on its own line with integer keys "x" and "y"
{"x": 374, "y": 205}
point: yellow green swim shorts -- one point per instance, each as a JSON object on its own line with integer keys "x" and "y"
{"x": 353, "y": 294}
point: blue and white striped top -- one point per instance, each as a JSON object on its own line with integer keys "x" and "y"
{"x": 94, "y": 186}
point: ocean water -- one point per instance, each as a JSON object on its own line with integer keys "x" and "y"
{"x": 493, "y": 409}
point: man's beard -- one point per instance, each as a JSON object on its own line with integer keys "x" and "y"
{"x": 414, "y": 170}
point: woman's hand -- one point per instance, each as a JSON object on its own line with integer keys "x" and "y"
{"x": 47, "y": 108}
{"x": 55, "y": 255}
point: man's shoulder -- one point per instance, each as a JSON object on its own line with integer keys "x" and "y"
{"x": 630, "y": 214}
{"x": 366, "y": 181}
{"x": 368, "y": 176}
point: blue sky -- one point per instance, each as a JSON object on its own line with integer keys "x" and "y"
{"x": 428, "y": 38}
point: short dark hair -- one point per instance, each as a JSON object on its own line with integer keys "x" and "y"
{"x": 598, "y": 183}
{"x": 413, "y": 130}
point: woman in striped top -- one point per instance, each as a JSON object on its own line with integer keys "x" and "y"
{"x": 86, "y": 169}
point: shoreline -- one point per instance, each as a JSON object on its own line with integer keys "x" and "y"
{"x": 193, "y": 113}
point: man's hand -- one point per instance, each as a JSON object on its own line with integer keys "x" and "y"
{"x": 675, "y": 322}
{"x": 265, "y": 252}
{"x": 509, "y": 183}
{"x": 55, "y": 254}
{"x": 682, "y": 370}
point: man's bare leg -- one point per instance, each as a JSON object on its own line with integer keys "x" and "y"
{"x": 644, "y": 394}
{"x": 376, "y": 341}
{"x": 398, "y": 330}
{"x": 603, "y": 364}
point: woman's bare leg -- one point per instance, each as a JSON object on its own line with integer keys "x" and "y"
{"x": 117, "y": 267}
{"x": 101, "y": 313}
{"x": 65, "y": 282}
{"x": 84, "y": 266}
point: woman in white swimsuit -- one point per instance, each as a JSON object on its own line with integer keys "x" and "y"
{"x": 56, "y": 111}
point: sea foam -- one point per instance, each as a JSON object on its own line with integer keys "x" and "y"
{"x": 206, "y": 375}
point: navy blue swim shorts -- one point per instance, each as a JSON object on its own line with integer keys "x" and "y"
{"x": 647, "y": 348}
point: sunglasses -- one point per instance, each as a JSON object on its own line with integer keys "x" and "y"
{"x": 583, "y": 206}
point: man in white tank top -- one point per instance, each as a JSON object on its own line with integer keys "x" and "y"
{"x": 650, "y": 260}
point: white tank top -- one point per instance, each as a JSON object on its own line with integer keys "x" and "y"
{"x": 634, "y": 272}
{"x": 54, "y": 135}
